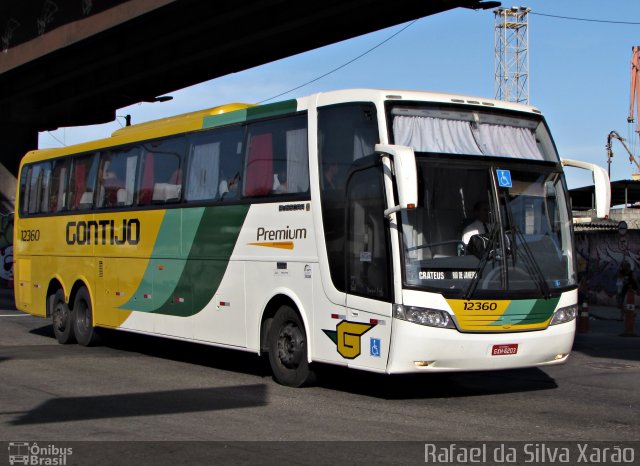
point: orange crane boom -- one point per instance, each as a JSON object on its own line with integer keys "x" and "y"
{"x": 635, "y": 86}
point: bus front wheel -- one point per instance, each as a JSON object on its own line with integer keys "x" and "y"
{"x": 61, "y": 317}
{"x": 83, "y": 327}
{"x": 288, "y": 349}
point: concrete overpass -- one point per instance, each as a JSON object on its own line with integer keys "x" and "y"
{"x": 75, "y": 62}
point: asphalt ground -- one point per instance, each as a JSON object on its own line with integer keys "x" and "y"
{"x": 150, "y": 400}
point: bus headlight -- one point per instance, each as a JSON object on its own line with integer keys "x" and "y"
{"x": 564, "y": 314}
{"x": 422, "y": 316}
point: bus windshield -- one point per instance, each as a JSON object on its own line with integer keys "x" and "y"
{"x": 474, "y": 237}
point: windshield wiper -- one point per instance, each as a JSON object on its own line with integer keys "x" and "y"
{"x": 530, "y": 261}
{"x": 471, "y": 289}
{"x": 531, "y": 264}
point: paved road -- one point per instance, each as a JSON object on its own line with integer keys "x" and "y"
{"x": 142, "y": 388}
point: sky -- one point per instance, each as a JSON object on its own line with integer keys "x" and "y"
{"x": 579, "y": 74}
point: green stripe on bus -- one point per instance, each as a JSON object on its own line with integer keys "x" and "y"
{"x": 527, "y": 311}
{"x": 186, "y": 285}
{"x": 252, "y": 113}
{"x": 275, "y": 109}
{"x": 172, "y": 230}
{"x": 223, "y": 119}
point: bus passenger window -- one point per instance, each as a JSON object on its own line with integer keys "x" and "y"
{"x": 82, "y": 182}
{"x": 58, "y": 188}
{"x": 161, "y": 179}
{"x": 215, "y": 163}
{"x": 117, "y": 178}
{"x": 277, "y": 158}
{"x": 36, "y": 186}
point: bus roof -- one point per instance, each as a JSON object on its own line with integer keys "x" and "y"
{"x": 151, "y": 129}
{"x": 193, "y": 121}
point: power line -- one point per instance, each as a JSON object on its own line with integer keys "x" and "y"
{"x": 343, "y": 65}
{"x": 584, "y": 19}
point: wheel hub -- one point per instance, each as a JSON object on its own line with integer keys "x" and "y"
{"x": 290, "y": 346}
{"x": 60, "y": 318}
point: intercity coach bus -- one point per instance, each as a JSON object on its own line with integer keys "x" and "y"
{"x": 333, "y": 228}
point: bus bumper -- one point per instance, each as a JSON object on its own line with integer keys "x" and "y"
{"x": 418, "y": 348}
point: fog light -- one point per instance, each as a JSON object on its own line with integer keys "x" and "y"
{"x": 561, "y": 356}
{"x": 422, "y": 363}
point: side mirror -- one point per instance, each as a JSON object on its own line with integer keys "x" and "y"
{"x": 600, "y": 181}
{"x": 404, "y": 166}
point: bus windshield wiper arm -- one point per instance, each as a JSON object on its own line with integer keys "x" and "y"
{"x": 532, "y": 265}
{"x": 483, "y": 262}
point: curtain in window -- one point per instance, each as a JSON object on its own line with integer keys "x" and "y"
{"x": 130, "y": 179}
{"x": 259, "y": 174}
{"x": 428, "y": 134}
{"x": 146, "y": 190}
{"x": 46, "y": 182}
{"x": 203, "y": 172}
{"x": 297, "y": 161}
{"x": 364, "y": 140}
{"x": 508, "y": 141}
{"x": 61, "y": 190}
{"x": 80, "y": 176}
{"x": 35, "y": 189}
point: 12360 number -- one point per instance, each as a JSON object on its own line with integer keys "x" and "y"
{"x": 30, "y": 235}
{"x": 480, "y": 306}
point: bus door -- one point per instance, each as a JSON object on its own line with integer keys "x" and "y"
{"x": 356, "y": 237}
{"x": 368, "y": 273}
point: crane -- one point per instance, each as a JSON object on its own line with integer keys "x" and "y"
{"x": 635, "y": 85}
{"x": 615, "y": 135}
{"x": 634, "y": 106}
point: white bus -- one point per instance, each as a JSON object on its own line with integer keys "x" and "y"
{"x": 383, "y": 230}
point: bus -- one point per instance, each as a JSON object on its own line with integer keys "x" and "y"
{"x": 332, "y": 229}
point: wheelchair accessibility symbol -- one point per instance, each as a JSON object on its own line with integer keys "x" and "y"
{"x": 504, "y": 178}
{"x": 374, "y": 347}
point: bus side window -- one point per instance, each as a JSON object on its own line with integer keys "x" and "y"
{"x": 161, "y": 176}
{"x": 57, "y": 192}
{"x": 82, "y": 182}
{"x": 38, "y": 187}
{"x": 215, "y": 163}
{"x": 277, "y": 160}
{"x": 25, "y": 182}
{"x": 117, "y": 178}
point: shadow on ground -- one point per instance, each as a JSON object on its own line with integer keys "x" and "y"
{"x": 145, "y": 404}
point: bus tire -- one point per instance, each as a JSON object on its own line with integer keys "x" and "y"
{"x": 288, "y": 349}
{"x": 83, "y": 328}
{"x": 61, "y": 318}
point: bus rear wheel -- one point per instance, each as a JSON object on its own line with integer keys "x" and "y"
{"x": 61, "y": 318}
{"x": 288, "y": 349}
{"x": 83, "y": 327}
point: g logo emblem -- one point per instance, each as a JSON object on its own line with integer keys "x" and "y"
{"x": 347, "y": 337}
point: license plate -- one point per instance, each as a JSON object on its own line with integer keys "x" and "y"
{"x": 501, "y": 350}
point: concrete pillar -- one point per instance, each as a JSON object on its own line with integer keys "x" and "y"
{"x": 8, "y": 184}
